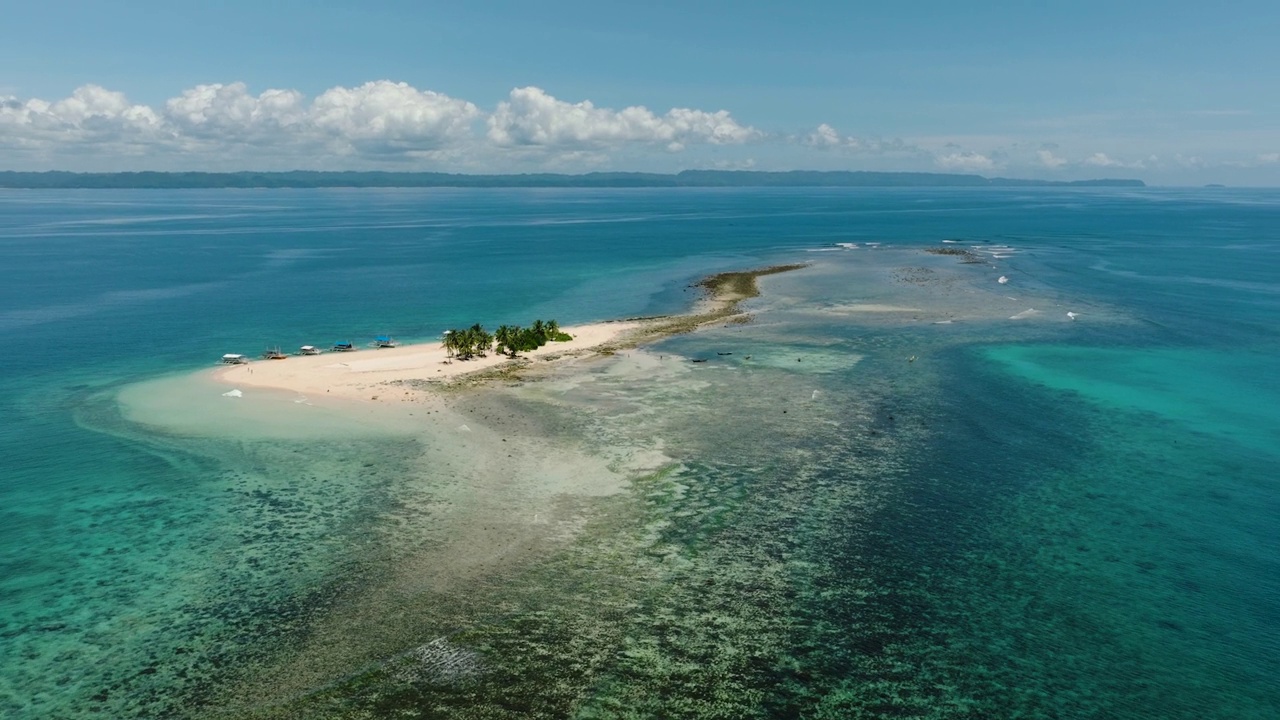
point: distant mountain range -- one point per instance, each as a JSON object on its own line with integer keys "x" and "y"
{"x": 688, "y": 178}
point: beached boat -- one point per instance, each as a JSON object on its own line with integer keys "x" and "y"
{"x": 343, "y": 346}
{"x": 308, "y": 350}
{"x": 385, "y": 341}
{"x": 234, "y": 359}
{"x": 274, "y": 354}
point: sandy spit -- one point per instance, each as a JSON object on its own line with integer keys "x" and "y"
{"x": 360, "y": 375}
{"x": 392, "y": 374}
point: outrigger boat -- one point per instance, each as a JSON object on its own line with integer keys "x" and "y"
{"x": 343, "y": 346}
{"x": 308, "y": 350}
{"x": 234, "y": 359}
{"x": 385, "y": 341}
{"x": 274, "y": 354}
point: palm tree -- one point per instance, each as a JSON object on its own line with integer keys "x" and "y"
{"x": 460, "y": 343}
{"x": 505, "y": 340}
{"x": 499, "y": 340}
{"x": 511, "y": 339}
{"x": 481, "y": 340}
{"x": 528, "y": 339}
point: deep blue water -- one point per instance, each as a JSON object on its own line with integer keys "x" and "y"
{"x": 1097, "y": 504}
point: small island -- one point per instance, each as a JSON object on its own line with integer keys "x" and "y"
{"x": 399, "y": 373}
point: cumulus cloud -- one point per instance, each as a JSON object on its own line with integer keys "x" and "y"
{"x": 381, "y": 124}
{"x": 210, "y": 123}
{"x": 377, "y": 118}
{"x": 1104, "y": 160}
{"x": 220, "y": 125}
{"x": 1101, "y": 160}
{"x": 92, "y": 113}
{"x": 826, "y": 137}
{"x": 217, "y": 110}
{"x": 532, "y": 118}
{"x": 1049, "y": 160}
{"x": 394, "y": 114}
{"x": 964, "y": 161}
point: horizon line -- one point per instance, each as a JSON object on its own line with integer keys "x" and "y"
{"x": 121, "y": 179}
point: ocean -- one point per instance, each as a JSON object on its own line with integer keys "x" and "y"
{"x": 902, "y": 489}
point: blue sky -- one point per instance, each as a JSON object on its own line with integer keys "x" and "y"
{"x": 1174, "y": 93}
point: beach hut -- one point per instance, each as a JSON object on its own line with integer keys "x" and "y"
{"x": 234, "y": 359}
{"x": 343, "y": 346}
{"x": 308, "y": 350}
{"x": 385, "y": 341}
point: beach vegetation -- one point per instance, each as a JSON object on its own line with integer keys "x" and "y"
{"x": 503, "y": 338}
{"x": 509, "y": 340}
{"x": 513, "y": 339}
{"x": 465, "y": 344}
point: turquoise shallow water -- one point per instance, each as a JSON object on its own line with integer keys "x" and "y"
{"x": 1036, "y": 518}
{"x": 1230, "y": 394}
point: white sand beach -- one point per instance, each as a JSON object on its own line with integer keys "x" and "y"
{"x": 357, "y": 375}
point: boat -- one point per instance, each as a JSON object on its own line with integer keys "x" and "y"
{"x": 343, "y": 346}
{"x": 385, "y": 341}
{"x": 234, "y": 359}
{"x": 273, "y": 354}
{"x": 308, "y": 350}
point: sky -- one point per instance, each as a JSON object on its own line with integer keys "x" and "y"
{"x": 1174, "y": 93}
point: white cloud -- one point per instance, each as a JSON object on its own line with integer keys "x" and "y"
{"x": 386, "y": 124}
{"x": 1049, "y": 160}
{"x": 378, "y": 118}
{"x": 218, "y": 110}
{"x": 392, "y": 113}
{"x": 91, "y": 114}
{"x": 964, "y": 161}
{"x": 1101, "y": 160}
{"x": 530, "y": 117}
{"x": 216, "y": 123}
{"x": 825, "y": 136}
{"x": 225, "y": 126}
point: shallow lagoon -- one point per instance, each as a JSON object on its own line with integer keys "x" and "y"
{"x": 828, "y": 528}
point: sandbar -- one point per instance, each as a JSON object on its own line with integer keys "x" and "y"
{"x": 359, "y": 374}
{"x": 392, "y": 374}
